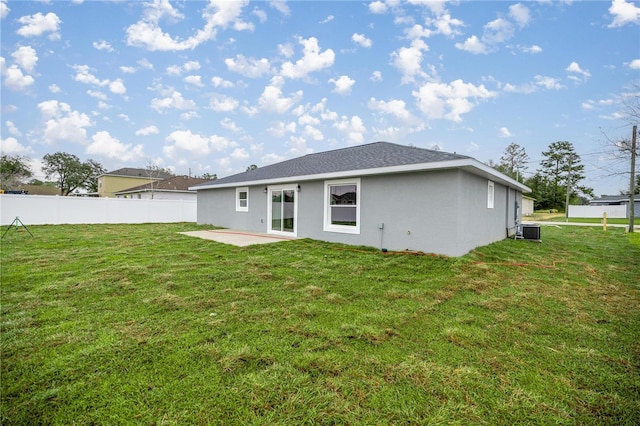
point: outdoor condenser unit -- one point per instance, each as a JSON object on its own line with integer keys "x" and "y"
{"x": 531, "y": 232}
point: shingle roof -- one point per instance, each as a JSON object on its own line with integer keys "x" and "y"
{"x": 142, "y": 173}
{"x": 361, "y": 157}
{"x": 175, "y": 183}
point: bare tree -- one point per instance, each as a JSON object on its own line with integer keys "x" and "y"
{"x": 626, "y": 149}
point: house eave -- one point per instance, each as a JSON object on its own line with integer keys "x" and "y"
{"x": 469, "y": 164}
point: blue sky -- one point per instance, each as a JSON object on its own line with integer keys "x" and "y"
{"x": 213, "y": 87}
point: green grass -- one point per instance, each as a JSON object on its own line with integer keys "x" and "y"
{"x": 137, "y": 324}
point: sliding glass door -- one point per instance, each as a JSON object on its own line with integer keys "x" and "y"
{"x": 282, "y": 210}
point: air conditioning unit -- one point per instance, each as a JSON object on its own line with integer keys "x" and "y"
{"x": 531, "y": 232}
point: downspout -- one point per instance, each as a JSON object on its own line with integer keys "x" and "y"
{"x": 506, "y": 214}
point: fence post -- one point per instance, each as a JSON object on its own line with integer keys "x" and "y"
{"x": 604, "y": 221}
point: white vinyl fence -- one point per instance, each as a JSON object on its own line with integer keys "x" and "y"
{"x": 598, "y": 211}
{"x": 55, "y": 210}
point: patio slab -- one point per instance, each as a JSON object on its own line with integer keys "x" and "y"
{"x": 237, "y": 238}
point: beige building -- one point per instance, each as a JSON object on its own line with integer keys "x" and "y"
{"x": 125, "y": 178}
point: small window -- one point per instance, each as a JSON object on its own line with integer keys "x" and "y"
{"x": 490, "y": 194}
{"x": 342, "y": 206}
{"x": 242, "y": 199}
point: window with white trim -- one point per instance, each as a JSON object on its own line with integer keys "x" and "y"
{"x": 242, "y": 199}
{"x": 342, "y": 206}
{"x": 490, "y": 194}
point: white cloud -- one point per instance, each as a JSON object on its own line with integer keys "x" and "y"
{"x": 376, "y": 76}
{"x": 144, "y": 63}
{"x": 623, "y": 13}
{"x": 195, "y": 144}
{"x": 4, "y": 10}
{"x": 327, "y": 19}
{"x": 520, "y": 14}
{"x": 103, "y": 45}
{"x": 312, "y": 60}
{"x": 635, "y": 64}
{"x": 313, "y": 132}
{"x": 175, "y": 101}
{"x": 83, "y": 75}
{"x": 353, "y": 128}
{"x": 261, "y": 14}
{"x": 105, "y": 145}
{"x": 12, "y": 128}
{"x": 272, "y": 99}
{"x": 221, "y": 82}
{"x": 503, "y": 132}
{"x": 239, "y": 154}
{"x": 576, "y": 73}
{"x": 272, "y": 158}
{"x": 148, "y": 34}
{"x": 450, "y": 101}
{"x": 395, "y": 107}
{"x": 229, "y": 124}
{"x": 117, "y": 87}
{"x": 279, "y": 129}
{"x": 377, "y": 7}
{"x": 146, "y": 131}
{"x": 54, "y": 88}
{"x": 533, "y": 49}
{"x": 15, "y": 80}
{"x": 222, "y": 103}
{"x": 361, "y": 40}
{"x": 280, "y": 6}
{"x": 195, "y": 80}
{"x": 472, "y": 45}
{"x": 38, "y": 24}
{"x": 498, "y": 31}
{"x": 26, "y": 57}
{"x": 286, "y": 50}
{"x": 249, "y": 67}
{"x": 343, "y": 85}
{"x": 445, "y": 25}
{"x": 548, "y": 82}
{"x": 128, "y": 70}
{"x": 191, "y": 66}
{"x": 408, "y": 60}
{"x": 98, "y": 95}
{"x": 11, "y": 146}
{"x": 62, "y": 123}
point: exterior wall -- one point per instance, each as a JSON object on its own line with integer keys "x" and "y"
{"x": 218, "y": 207}
{"x": 54, "y": 210}
{"x": 107, "y": 185}
{"x": 480, "y": 225}
{"x": 527, "y": 206}
{"x": 441, "y": 212}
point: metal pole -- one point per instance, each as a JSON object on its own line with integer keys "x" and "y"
{"x": 632, "y": 180}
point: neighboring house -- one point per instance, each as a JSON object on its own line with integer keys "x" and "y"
{"x": 527, "y": 205}
{"x": 618, "y": 200}
{"x": 381, "y": 194}
{"x": 173, "y": 188}
{"x": 117, "y": 180}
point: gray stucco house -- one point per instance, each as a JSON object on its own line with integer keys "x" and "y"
{"x": 380, "y": 194}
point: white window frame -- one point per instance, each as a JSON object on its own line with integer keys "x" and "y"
{"x": 345, "y": 229}
{"x": 240, "y": 208}
{"x": 491, "y": 193}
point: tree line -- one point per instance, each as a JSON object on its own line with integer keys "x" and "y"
{"x": 70, "y": 173}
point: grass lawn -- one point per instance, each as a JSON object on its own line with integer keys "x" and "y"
{"x": 137, "y": 324}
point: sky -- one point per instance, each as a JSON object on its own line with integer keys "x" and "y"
{"x": 213, "y": 87}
